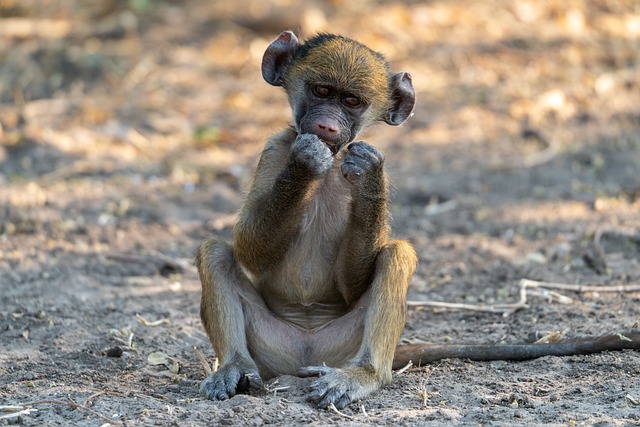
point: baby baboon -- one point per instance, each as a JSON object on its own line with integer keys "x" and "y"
{"x": 312, "y": 283}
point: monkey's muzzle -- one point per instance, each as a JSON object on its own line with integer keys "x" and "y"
{"x": 333, "y": 147}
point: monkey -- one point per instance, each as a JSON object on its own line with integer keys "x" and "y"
{"x": 312, "y": 284}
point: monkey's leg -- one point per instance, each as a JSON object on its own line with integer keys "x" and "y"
{"x": 250, "y": 342}
{"x": 384, "y": 304}
{"x": 222, "y": 315}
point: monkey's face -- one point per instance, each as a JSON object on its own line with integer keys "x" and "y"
{"x": 336, "y": 86}
{"x": 335, "y": 116}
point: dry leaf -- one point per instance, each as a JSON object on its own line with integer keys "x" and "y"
{"x": 158, "y": 358}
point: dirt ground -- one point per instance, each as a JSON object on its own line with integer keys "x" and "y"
{"x": 129, "y": 131}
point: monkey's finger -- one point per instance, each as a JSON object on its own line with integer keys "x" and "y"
{"x": 365, "y": 150}
{"x": 231, "y": 381}
{"x": 340, "y": 401}
{"x": 312, "y": 371}
{"x": 343, "y": 401}
{"x": 337, "y": 394}
{"x": 255, "y": 381}
{"x": 352, "y": 167}
{"x": 308, "y": 150}
{"x": 318, "y": 390}
{"x": 213, "y": 387}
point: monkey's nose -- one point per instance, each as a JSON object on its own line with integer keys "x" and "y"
{"x": 328, "y": 127}
{"x": 326, "y": 130}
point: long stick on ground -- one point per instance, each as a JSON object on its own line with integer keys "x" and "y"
{"x": 425, "y": 353}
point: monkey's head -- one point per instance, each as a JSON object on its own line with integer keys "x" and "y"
{"x": 336, "y": 86}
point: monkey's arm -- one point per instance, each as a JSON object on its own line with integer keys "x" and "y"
{"x": 286, "y": 175}
{"x": 367, "y": 230}
{"x": 425, "y": 353}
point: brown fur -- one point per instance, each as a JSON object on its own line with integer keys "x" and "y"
{"x": 355, "y": 68}
{"x": 312, "y": 283}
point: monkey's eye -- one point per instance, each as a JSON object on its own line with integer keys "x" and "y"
{"x": 352, "y": 101}
{"x": 321, "y": 91}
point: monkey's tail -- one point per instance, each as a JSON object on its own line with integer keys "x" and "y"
{"x": 424, "y": 353}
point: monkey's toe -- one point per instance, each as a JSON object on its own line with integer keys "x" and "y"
{"x": 228, "y": 381}
{"x": 337, "y": 393}
{"x": 313, "y": 371}
{"x": 333, "y": 387}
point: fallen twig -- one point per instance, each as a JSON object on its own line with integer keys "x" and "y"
{"x": 15, "y": 412}
{"x": 145, "y": 396}
{"x": 11, "y": 408}
{"x": 579, "y": 288}
{"x": 525, "y": 286}
{"x": 342, "y": 414}
{"x": 153, "y": 323}
{"x": 94, "y": 395}
{"x": 405, "y": 368}
{"x": 364, "y": 412}
{"x": 203, "y": 361}
{"x": 551, "y": 337}
{"x": 273, "y": 388}
{"x": 493, "y": 308}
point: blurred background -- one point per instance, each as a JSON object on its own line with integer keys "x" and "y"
{"x": 129, "y": 130}
{"x": 120, "y": 115}
{"x": 185, "y": 73}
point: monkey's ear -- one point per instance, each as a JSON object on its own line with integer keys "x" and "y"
{"x": 403, "y": 98}
{"x": 276, "y": 57}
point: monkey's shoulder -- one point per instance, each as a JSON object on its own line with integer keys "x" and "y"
{"x": 281, "y": 140}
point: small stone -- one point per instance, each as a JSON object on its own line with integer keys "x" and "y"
{"x": 114, "y": 352}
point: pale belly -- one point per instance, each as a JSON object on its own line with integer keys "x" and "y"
{"x": 304, "y": 289}
{"x": 312, "y": 316}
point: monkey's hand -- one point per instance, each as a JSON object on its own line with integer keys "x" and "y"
{"x": 229, "y": 380}
{"x": 311, "y": 154}
{"x": 362, "y": 161}
{"x": 339, "y": 386}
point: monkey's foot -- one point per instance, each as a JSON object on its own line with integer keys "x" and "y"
{"x": 229, "y": 380}
{"x": 338, "y": 386}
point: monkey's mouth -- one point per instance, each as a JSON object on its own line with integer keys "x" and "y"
{"x": 334, "y": 147}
